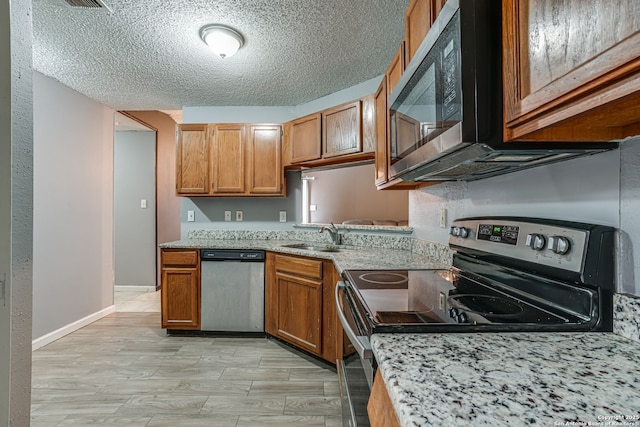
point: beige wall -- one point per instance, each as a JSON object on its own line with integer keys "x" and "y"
{"x": 349, "y": 193}
{"x": 167, "y": 203}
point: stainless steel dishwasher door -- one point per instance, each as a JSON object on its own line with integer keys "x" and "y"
{"x": 232, "y": 292}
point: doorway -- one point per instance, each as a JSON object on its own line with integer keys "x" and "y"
{"x": 134, "y": 206}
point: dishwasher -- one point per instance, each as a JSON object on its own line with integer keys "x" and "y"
{"x": 232, "y": 290}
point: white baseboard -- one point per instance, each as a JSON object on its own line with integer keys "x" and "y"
{"x": 66, "y": 330}
{"x": 125, "y": 288}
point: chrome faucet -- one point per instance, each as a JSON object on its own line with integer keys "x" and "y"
{"x": 336, "y": 236}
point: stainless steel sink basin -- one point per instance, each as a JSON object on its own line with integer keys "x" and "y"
{"x": 318, "y": 247}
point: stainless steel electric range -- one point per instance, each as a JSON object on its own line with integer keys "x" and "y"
{"x": 508, "y": 274}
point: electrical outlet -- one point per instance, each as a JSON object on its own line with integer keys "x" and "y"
{"x": 191, "y": 216}
{"x": 227, "y": 215}
{"x": 313, "y": 208}
{"x": 443, "y": 218}
{"x": 143, "y": 204}
{"x": 442, "y": 301}
{"x": 283, "y": 216}
{"x": 239, "y": 216}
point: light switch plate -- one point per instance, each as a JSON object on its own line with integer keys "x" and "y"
{"x": 191, "y": 216}
{"x": 239, "y": 216}
{"x": 313, "y": 208}
{"x": 283, "y": 216}
{"x": 443, "y": 218}
{"x": 227, "y": 215}
{"x": 143, "y": 204}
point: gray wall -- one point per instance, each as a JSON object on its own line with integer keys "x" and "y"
{"x": 73, "y": 206}
{"x": 260, "y": 213}
{"x": 16, "y": 179}
{"x": 350, "y": 193}
{"x": 601, "y": 189}
{"x": 135, "y": 227}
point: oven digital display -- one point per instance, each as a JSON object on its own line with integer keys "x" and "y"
{"x": 498, "y": 233}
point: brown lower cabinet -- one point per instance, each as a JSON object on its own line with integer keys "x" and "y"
{"x": 380, "y": 407}
{"x": 299, "y": 303}
{"x": 180, "y": 294}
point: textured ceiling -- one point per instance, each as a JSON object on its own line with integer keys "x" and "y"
{"x": 145, "y": 55}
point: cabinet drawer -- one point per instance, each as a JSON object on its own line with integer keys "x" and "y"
{"x": 299, "y": 266}
{"x": 186, "y": 258}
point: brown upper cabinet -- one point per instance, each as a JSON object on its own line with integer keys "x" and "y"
{"x": 306, "y": 138}
{"x": 192, "y": 172}
{"x": 571, "y": 70}
{"x": 230, "y": 160}
{"x": 419, "y": 16}
{"x": 342, "y": 130}
{"x": 265, "y": 151}
{"x": 395, "y": 70}
{"x": 341, "y": 134}
{"x": 417, "y": 21}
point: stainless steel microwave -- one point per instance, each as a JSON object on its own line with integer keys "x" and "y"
{"x": 446, "y": 111}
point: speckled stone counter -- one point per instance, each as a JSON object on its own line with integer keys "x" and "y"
{"x": 359, "y": 251}
{"x": 511, "y": 379}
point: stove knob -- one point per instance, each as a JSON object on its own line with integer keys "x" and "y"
{"x": 459, "y": 232}
{"x": 453, "y": 313}
{"x": 462, "y": 318}
{"x": 559, "y": 244}
{"x": 535, "y": 241}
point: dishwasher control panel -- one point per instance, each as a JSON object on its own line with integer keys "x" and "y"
{"x": 231, "y": 255}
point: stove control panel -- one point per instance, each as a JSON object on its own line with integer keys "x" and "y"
{"x": 550, "y": 245}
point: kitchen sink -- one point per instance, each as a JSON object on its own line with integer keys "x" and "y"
{"x": 318, "y": 247}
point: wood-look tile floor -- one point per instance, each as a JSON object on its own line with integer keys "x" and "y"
{"x": 123, "y": 370}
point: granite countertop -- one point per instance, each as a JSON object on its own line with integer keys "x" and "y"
{"x": 351, "y": 257}
{"x": 511, "y": 379}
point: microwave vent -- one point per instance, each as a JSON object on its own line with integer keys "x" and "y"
{"x": 88, "y": 4}
{"x": 464, "y": 170}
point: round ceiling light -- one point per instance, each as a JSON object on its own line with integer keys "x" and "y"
{"x": 222, "y": 40}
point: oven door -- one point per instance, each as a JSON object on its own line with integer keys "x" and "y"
{"x": 356, "y": 369}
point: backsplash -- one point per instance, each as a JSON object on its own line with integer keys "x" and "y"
{"x": 626, "y": 316}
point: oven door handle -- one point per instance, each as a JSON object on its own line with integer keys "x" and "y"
{"x": 360, "y": 343}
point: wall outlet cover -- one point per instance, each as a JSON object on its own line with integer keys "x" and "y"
{"x": 239, "y": 216}
{"x": 283, "y": 216}
{"x": 227, "y": 215}
{"x": 191, "y": 216}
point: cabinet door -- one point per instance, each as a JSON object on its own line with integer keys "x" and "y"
{"x": 265, "y": 160}
{"x": 192, "y": 168}
{"x": 395, "y": 70}
{"x": 380, "y": 407}
{"x": 180, "y": 298}
{"x": 417, "y": 23}
{"x": 300, "y": 311}
{"x": 180, "y": 289}
{"x": 305, "y": 139}
{"x": 228, "y": 157}
{"x": 571, "y": 70}
{"x": 342, "y": 130}
{"x": 368, "y": 124}
{"x": 380, "y": 98}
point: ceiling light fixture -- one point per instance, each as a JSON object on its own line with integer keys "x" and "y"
{"x": 222, "y": 40}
